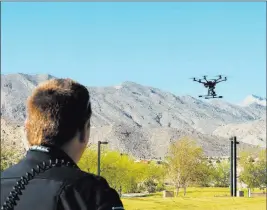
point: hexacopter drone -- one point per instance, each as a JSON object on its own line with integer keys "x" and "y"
{"x": 210, "y": 84}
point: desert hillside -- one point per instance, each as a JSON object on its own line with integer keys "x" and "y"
{"x": 143, "y": 120}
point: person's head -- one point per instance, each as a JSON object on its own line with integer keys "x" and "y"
{"x": 58, "y": 114}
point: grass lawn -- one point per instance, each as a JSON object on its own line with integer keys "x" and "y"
{"x": 196, "y": 198}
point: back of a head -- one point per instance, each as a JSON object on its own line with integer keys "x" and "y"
{"x": 56, "y": 111}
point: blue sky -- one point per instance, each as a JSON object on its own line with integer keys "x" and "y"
{"x": 155, "y": 44}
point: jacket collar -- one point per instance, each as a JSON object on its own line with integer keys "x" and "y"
{"x": 47, "y": 152}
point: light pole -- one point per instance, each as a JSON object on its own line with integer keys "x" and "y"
{"x": 98, "y": 155}
{"x": 231, "y": 167}
{"x": 120, "y": 190}
{"x": 233, "y": 172}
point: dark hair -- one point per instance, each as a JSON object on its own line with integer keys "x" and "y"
{"x": 56, "y": 110}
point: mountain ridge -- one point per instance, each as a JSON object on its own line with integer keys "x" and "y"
{"x": 143, "y": 109}
{"x": 254, "y": 99}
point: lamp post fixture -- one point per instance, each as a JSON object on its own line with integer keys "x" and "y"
{"x": 98, "y": 155}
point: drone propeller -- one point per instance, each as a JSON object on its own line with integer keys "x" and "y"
{"x": 221, "y": 76}
{"x": 193, "y": 78}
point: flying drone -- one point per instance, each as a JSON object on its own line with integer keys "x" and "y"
{"x": 211, "y": 85}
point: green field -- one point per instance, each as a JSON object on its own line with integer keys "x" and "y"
{"x": 196, "y": 198}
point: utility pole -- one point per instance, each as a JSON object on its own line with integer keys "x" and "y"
{"x": 235, "y": 166}
{"x": 231, "y": 168}
{"x": 233, "y": 171}
{"x": 99, "y": 154}
{"x": 120, "y": 190}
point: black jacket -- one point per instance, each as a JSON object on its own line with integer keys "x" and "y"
{"x": 52, "y": 181}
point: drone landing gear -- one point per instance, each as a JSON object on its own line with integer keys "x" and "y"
{"x": 209, "y": 96}
{"x": 213, "y": 97}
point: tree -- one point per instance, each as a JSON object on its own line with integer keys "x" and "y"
{"x": 150, "y": 186}
{"x": 253, "y": 172}
{"x": 119, "y": 170}
{"x": 116, "y": 168}
{"x": 204, "y": 174}
{"x": 88, "y": 161}
{"x": 122, "y": 172}
{"x": 221, "y": 173}
{"x": 9, "y": 156}
{"x": 153, "y": 176}
{"x": 184, "y": 157}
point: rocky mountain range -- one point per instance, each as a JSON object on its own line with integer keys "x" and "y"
{"x": 251, "y": 99}
{"x": 253, "y": 132}
{"x": 143, "y": 120}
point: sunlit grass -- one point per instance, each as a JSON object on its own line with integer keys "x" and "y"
{"x": 196, "y": 198}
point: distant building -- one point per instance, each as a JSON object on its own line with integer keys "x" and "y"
{"x": 145, "y": 161}
{"x": 148, "y": 161}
